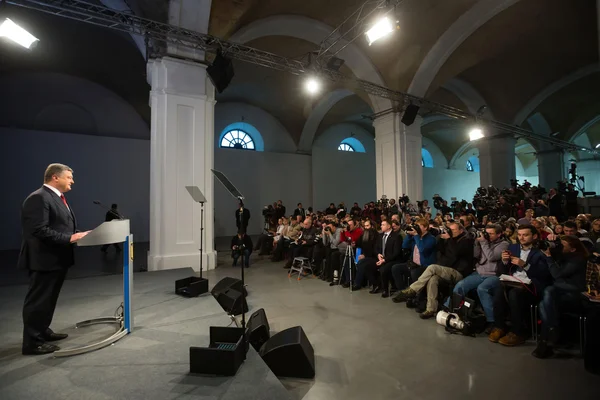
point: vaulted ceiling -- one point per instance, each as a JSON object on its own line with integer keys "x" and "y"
{"x": 508, "y": 60}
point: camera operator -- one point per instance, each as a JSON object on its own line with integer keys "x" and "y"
{"x": 368, "y": 256}
{"x": 241, "y": 243}
{"x": 303, "y": 246}
{"x": 355, "y": 211}
{"x": 352, "y": 232}
{"x": 393, "y": 207}
{"x": 388, "y": 248}
{"x": 425, "y": 208}
{"x": 280, "y": 210}
{"x": 444, "y": 209}
{"x": 568, "y": 267}
{"x": 454, "y": 261}
{"x": 513, "y": 298}
{"x": 470, "y": 210}
{"x": 422, "y": 246}
{"x": 331, "y": 210}
{"x": 504, "y": 208}
{"x": 331, "y": 236}
{"x": 555, "y": 204}
{"x": 242, "y": 217}
{"x": 300, "y": 212}
{"x": 488, "y": 251}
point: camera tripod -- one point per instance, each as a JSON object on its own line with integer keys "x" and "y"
{"x": 349, "y": 256}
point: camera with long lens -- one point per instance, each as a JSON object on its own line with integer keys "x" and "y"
{"x": 483, "y": 233}
{"x": 414, "y": 228}
{"x": 438, "y": 201}
{"x": 463, "y": 318}
{"x": 552, "y": 245}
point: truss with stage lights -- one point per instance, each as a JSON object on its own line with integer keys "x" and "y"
{"x": 164, "y": 33}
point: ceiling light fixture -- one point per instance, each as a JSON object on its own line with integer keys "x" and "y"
{"x": 14, "y": 32}
{"x": 312, "y": 85}
{"x": 476, "y": 134}
{"x": 598, "y": 146}
{"x": 382, "y": 28}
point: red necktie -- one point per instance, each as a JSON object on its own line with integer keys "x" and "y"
{"x": 64, "y": 200}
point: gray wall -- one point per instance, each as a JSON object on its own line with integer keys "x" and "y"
{"x": 107, "y": 169}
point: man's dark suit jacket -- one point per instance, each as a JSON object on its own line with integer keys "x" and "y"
{"x": 539, "y": 270}
{"x": 47, "y": 228}
{"x": 393, "y": 247}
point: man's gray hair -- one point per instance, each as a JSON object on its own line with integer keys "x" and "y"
{"x": 55, "y": 169}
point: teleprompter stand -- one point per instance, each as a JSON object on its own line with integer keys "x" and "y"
{"x": 228, "y": 345}
{"x": 194, "y": 286}
{"x": 115, "y": 231}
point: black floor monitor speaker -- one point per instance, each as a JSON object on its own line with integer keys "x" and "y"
{"x": 258, "y": 329}
{"x": 410, "y": 114}
{"x": 289, "y": 353}
{"x": 191, "y": 287}
{"x": 224, "y": 355}
{"x": 228, "y": 283}
{"x": 232, "y": 302}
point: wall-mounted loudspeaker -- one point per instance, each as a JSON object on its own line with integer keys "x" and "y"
{"x": 220, "y": 72}
{"x": 410, "y": 114}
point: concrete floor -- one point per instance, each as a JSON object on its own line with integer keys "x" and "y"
{"x": 367, "y": 347}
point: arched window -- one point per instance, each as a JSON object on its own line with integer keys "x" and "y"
{"x": 345, "y": 147}
{"x": 469, "y": 166}
{"x": 237, "y": 139}
{"x": 426, "y": 159}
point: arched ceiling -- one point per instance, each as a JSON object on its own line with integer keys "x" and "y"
{"x": 524, "y": 49}
{"x": 108, "y": 58}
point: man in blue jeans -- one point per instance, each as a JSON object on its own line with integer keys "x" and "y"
{"x": 488, "y": 251}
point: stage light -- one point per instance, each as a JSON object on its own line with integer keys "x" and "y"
{"x": 312, "y": 85}
{"x": 382, "y": 28}
{"x": 475, "y": 134}
{"x": 14, "y": 32}
{"x": 598, "y": 146}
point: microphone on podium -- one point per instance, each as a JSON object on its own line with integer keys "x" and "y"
{"x": 113, "y": 212}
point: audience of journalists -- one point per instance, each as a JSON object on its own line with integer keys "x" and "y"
{"x": 417, "y": 255}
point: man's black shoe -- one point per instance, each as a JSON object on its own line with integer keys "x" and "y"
{"x": 44, "y": 348}
{"x": 355, "y": 288}
{"x": 385, "y": 294}
{"x": 345, "y": 285}
{"x": 53, "y": 337}
{"x": 375, "y": 290}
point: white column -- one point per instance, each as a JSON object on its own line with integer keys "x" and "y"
{"x": 398, "y": 157}
{"x": 181, "y": 154}
{"x": 497, "y": 161}
{"x": 550, "y": 166}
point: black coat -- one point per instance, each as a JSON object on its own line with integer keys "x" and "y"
{"x": 242, "y": 217}
{"x": 457, "y": 253}
{"x": 47, "y": 226}
{"x": 555, "y": 206}
{"x": 368, "y": 246}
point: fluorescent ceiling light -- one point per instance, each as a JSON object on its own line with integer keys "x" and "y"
{"x": 14, "y": 32}
{"x": 382, "y": 28}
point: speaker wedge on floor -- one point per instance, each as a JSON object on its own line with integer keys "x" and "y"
{"x": 290, "y": 354}
{"x": 258, "y": 329}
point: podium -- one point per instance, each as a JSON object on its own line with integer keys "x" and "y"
{"x": 115, "y": 231}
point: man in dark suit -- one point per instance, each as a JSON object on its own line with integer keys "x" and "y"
{"x": 242, "y": 217}
{"x": 514, "y": 299}
{"x": 300, "y": 211}
{"x": 49, "y": 233}
{"x": 555, "y": 204}
{"x": 388, "y": 249}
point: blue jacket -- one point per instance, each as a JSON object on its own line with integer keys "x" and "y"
{"x": 538, "y": 272}
{"x": 427, "y": 247}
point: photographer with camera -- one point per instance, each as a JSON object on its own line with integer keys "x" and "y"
{"x": 331, "y": 236}
{"x": 304, "y": 245}
{"x": 489, "y": 246}
{"x": 241, "y": 243}
{"x": 521, "y": 261}
{"x": 454, "y": 261}
{"x": 568, "y": 266}
{"x": 242, "y": 217}
{"x": 422, "y": 246}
